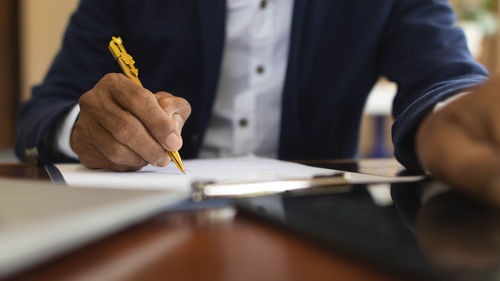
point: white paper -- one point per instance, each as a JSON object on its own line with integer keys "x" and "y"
{"x": 245, "y": 168}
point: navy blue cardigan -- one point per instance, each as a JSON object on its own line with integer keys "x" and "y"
{"x": 338, "y": 50}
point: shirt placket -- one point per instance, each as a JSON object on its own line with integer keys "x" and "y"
{"x": 260, "y": 46}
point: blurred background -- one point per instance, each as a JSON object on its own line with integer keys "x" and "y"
{"x": 31, "y": 33}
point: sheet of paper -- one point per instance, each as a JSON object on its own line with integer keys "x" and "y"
{"x": 222, "y": 169}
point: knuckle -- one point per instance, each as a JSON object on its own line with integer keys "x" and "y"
{"x": 86, "y": 101}
{"x": 181, "y": 102}
{"x": 186, "y": 107}
{"x": 164, "y": 98}
{"x": 183, "y": 106}
{"x": 109, "y": 83}
{"x": 179, "y": 105}
{"x": 170, "y": 103}
{"x": 163, "y": 95}
{"x": 111, "y": 78}
{"x": 164, "y": 103}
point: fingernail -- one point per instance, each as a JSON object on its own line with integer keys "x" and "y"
{"x": 174, "y": 142}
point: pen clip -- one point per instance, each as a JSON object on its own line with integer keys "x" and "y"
{"x": 124, "y": 59}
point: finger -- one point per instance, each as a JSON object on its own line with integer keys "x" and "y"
{"x": 177, "y": 110}
{"x": 141, "y": 103}
{"x": 173, "y": 105}
{"x": 115, "y": 151}
{"x": 91, "y": 142}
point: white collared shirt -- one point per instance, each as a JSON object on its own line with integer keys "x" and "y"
{"x": 247, "y": 109}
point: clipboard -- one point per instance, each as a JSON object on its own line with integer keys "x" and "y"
{"x": 237, "y": 177}
{"x": 203, "y": 190}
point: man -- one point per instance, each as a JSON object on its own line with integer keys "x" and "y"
{"x": 280, "y": 78}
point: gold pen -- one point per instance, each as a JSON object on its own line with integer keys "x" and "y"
{"x": 126, "y": 63}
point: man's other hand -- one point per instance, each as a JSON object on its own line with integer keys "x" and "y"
{"x": 123, "y": 126}
{"x": 460, "y": 144}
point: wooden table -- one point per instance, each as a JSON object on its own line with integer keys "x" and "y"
{"x": 215, "y": 244}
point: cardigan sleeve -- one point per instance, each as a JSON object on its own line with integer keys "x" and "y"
{"x": 82, "y": 60}
{"x": 427, "y": 56}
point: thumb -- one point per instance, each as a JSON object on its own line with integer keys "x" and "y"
{"x": 174, "y": 139}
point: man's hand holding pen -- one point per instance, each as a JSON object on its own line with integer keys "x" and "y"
{"x": 123, "y": 126}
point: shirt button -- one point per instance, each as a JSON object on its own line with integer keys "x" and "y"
{"x": 260, "y": 69}
{"x": 263, "y": 4}
{"x": 243, "y": 122}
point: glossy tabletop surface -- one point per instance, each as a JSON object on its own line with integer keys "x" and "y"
{"x": 446, "y": 237}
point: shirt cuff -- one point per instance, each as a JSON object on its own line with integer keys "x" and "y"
{"x": 63, "y": 133}
{"x": 440, "y": 105}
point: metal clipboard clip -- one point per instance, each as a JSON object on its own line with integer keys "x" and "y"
{"x": 338, "y": 182}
